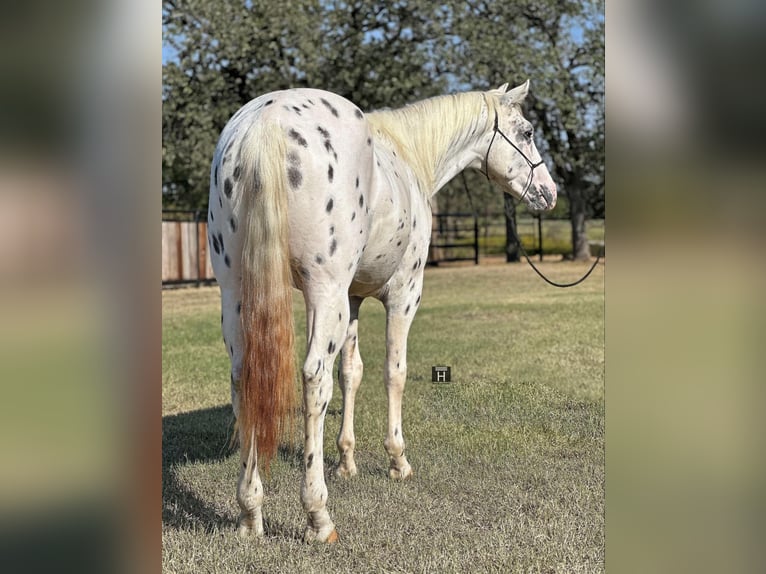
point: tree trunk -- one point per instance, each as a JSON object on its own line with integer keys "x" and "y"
{"x": 511, "y": 244}
{"x": 578, "y": 217}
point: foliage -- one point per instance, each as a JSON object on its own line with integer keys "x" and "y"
{"x": 559, "y": 46}
{"x": 373, "y": 52}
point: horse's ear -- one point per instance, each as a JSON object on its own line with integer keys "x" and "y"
{"x": 517, "y": 94}
{"x": 501, "y": 90}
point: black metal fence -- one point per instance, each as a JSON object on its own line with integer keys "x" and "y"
{"x": 454, "y": 237}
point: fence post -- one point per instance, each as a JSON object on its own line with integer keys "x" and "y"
{"x": 475, "y": 240}
{"x": 540, "y": 235}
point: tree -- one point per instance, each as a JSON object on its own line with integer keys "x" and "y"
{"x": 559, "y": 44}
{"x": 376, "y": 53}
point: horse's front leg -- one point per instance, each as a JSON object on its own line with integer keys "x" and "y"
{"x": 399, "y": 317}
{"x": 350, "y": 378}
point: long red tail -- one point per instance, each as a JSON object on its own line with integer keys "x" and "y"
{"x": 267, "y": 400}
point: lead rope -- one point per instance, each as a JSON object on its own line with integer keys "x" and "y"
{"x": 496, "y": 130}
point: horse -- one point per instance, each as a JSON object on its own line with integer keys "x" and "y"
{"x": 308, "y": 191}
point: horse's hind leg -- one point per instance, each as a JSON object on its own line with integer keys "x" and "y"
{"x": 249, "y": 488}
{"x": 327, "y": 324}
{"x": 351, "y": 370}
{"x": 250, "y": 495}
{"x": 231, "y": 326}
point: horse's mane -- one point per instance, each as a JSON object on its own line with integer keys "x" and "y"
{"x": 423, "y": 131}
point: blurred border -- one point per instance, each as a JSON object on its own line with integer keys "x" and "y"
{"x": 685, "y": 307}
{"x": 80, "y": 411}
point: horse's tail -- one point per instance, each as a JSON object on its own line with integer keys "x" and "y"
{"x": 267, "y": 396}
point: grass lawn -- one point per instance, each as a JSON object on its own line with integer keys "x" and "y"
{"x": 508, "y": 459}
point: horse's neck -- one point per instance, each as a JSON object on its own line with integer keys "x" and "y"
{"x": 438, "y": 148}
{"x": 465, "y": 150}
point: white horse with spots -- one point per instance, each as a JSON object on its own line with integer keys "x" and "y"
{"x": 308, "y": 191}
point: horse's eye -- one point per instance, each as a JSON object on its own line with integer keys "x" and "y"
{"x": 528, "y": 134}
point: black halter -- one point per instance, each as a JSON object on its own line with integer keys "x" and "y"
{"x": 496, "y": 130}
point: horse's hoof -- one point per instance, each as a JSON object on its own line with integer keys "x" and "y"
{"x": 400, "y": 473}
{"x": 245, "y": 531}
{"x": 345, "y": 472}
{"x": 311, "y": 535}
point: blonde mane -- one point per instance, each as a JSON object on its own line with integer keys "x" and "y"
{"x": 424, "y": 131}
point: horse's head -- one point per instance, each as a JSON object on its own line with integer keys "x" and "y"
{"x": 512, "y": 159}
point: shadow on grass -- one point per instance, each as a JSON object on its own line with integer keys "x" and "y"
{"x": 197, "y": 436}
{"x": 203, "y": 436}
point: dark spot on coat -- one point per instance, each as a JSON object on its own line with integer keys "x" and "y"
{"x": 310, "y": 460}
{"x": 216, "y": 247}
{"x": 333, "y": 246}
{"x": 396, "y": 430}
{"x": 361, "y": 200}
{"x": 233, "y": 224}
{"x": 324, "y": 406}
{"x": 332, "y": 230}
{"x": 330, "y": 173}
{"x": 369, "y": 141}
{"x": 319, "y": 259}
{"x": 227, "y": 187}
{"x": 268, "y": 103}
{"x": 215, "y": 175}
{"x": 294, "y": 176}
{"x": 407, "y": 310}
{"x": 328, "y": 208}
{"x": 239, "y": 307}
{"x": 237, "y": 172}
{"x": 226, "y": 260}
{"x": 298, "y": 138}
{"x": 357, "y": 182}
{"x": 330, "y": 107}
{"x": 417, "y": 302}
{"x": 211, "y": 217}
{"x": 220, "y": 240}
{"x": 353, "y": 216}
{"x": 358, "y": 114}
{"x": 398, "y": 243}
{"x": 297, "y": 110}
{"x": 331, "y": 348}
{"x": 323, "y": 132}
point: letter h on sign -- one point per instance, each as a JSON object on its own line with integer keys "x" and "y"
{"x": 441, "y": 374}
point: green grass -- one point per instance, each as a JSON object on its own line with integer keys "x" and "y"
{"x": 508, "y": 458}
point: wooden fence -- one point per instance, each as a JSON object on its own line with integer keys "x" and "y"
{"x": 185, "y": 256}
